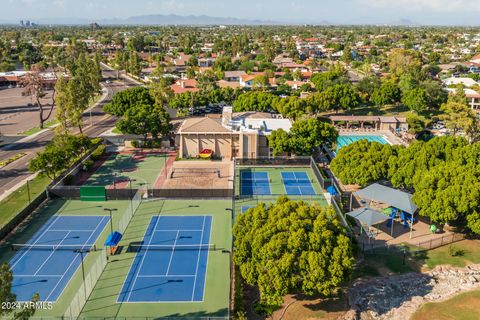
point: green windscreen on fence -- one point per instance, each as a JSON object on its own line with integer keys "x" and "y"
{"x": 93, "y": 193}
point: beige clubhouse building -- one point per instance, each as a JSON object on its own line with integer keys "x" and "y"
{"x": 231, "y": 135}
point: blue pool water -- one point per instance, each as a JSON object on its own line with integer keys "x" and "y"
{"x": 343, "y": 141}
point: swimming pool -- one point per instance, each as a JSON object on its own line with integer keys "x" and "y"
{"x": 343, "y": 141}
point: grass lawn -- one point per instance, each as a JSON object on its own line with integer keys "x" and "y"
{"x": 468, "y": 251}
{"x": 462, "y": 307}
{"x": 47, "y": 125}
{"x": 314, "y": 308}
{"x": 384, "y": 264}
{"x": 16, "y": 201}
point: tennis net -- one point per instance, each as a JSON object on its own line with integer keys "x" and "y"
{"x": 41, "y": 247}
{"x": 256, "y": 181}
{"x": 152, "y": 247}
{"x": 297, "y": 181}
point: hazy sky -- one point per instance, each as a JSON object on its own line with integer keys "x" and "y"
{"x": 298, "y": 11}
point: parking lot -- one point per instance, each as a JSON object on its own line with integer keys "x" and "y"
{"x": 18, "y": 113}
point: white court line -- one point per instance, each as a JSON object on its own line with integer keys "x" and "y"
{"x": 73, "y": 260}
{"x": 187, "y": 230}
{"x": 171, "y": 275}
{"x": 93, "y": 232}
{"x": 38, "y": 239}
{"x": 208, "y": 254}
{"x": 198, "y": 259}
{"x": 51, "y": 253}
{"x": 60, "y": 280}
{"x": 141, "y": 262}
{"x": 66, "y": 230}
{"x": 39, "y": 275}
{"x": 173, "y": 251}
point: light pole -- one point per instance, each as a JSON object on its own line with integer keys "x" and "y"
{"x": 131, "y": 196}
{"x": 111, "y": 217}
{"x": 28, "y": 191}
{"x": 83, "y": 251}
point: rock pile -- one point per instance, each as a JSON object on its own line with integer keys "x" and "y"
{"x": 398, "y": 297}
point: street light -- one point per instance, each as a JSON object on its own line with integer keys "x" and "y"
{"x": 28, "y": 191}
{"x": 111, "y": 218}
{"x": 82, "y": 252}
{"x": 131, "y": 196}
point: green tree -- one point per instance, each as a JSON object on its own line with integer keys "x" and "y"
{"x": 335, "y": 75}
{"x": 342, "y": 97}
{"x": 160, "y": 89}
{"x": 7, "y": 296}
{"x": 388, "y": 93}
{"x": 125, "y": 100}
{"x": 304, "y": 137}
{"x": 458, "y": 116}
{"x": 280, "y": 142}
{"x": 255, "y": 101}
{"x": 282, "y": 247}
{"x": 307, "y": 135}
{"x": 363, "y": 162}
{"x": 415, "y": 99}
{"x": 145, "y": 119}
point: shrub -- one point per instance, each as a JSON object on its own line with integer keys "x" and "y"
{"x": 88, "y": 164}
{"x": 98, "y": 153}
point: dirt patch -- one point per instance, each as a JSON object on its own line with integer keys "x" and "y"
{"x": 303, "y": 308}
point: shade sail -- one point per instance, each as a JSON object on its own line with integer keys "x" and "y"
{"x": 393, "y": 197}
{"x": 368, "y": 216}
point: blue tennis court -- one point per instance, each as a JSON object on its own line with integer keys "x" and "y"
{"x": 48, "y": 261}
{"x": 297, "y": 183}
{"x": 245, "y": 208}
{"x": 254, "y": 183}
{"x": 171, "y": 263}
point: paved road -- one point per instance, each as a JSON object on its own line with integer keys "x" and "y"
{"x": 15, "y": 172}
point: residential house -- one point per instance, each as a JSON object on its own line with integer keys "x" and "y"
{"x": 473, "y": 97}
{"x": 184, "y": 85}
{"x": 234, "y": 76}
{"x": 467, "y": 82}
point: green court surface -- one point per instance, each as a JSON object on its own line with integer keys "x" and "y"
{"x": 103, "y": 300}
{"x": 122, "y": 167}
{"x": 68, "y": 208}
{"x": 277, "y": 187}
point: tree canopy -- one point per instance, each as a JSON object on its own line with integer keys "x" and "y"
{"x": 125, "y": 100}
{"x": 443, "y": 174}
{"x": 303, "y": 138}
{"x": 291, "y": 247}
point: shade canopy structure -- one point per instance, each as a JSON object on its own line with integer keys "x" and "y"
{"x": 392, "y": 197}
{"x": 368, "y": 216}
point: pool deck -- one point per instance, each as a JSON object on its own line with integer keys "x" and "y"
{"x": 389, "y": 136}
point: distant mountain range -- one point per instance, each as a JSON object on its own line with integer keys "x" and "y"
{"x": 151, "y": 20}
{"x": 193, "y": 20}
